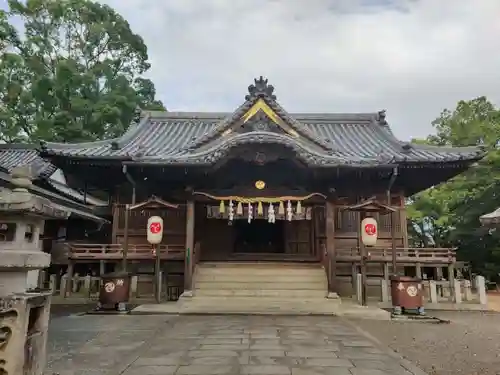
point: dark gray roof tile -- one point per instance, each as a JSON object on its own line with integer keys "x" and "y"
{"x": 354, "y": 137}
{"x": 14, "y": 155}
{"x": 325, "y": 139}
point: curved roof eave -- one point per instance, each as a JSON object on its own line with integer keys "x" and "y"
{"x": 220, "y": 151}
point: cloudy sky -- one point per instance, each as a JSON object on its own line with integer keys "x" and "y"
{"x": 410, "y": 57}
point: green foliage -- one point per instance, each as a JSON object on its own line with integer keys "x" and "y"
{"x": 75, "y": 74}
{"x": 448, "y": 215}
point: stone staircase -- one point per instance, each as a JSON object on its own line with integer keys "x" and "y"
{"x": 260, "y": 288}
{"x": 266, "y": 288}
{"x": 268, "y": 280}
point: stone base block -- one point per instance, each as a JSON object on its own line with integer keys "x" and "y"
{"x": 24, "y": 320}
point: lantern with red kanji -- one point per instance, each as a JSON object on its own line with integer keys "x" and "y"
{"x": 369, "y": 231}
{"x": 155, "y": 230}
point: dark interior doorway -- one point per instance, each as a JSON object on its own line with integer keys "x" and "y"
{"x": 259, "y": 236}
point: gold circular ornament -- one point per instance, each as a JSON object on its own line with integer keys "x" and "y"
{"x": 260, "y": 184}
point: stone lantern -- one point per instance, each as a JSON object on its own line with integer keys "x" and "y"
{"x": 24, "y": 312}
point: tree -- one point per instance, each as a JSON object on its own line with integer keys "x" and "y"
{"x": 448, "y": 214}
{"x": 79, "y": 66}
{"x": 13, "y": 84}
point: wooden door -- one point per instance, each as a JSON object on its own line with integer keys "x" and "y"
{"x": 298, "y": 238}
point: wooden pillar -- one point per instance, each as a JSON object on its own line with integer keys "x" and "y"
{"x": 354, "y": 276}
{"x": 317, "y": 211}
{"x": 418, "y": 270}
{"x": 102, "y": 267}
{"x": 330, "y": 248}
{"x": 312, "y": 234}
{"x": 393, "y": 243}
{"x": 116, "y": 223}
{"x": 363, "y": 256}
{"x": 69, "y": 279}
{"x": 403, "y": 221}
{"x": 439, "y": 273}
{"x": 102, "y": 271}
{"x": 157, "y": 281}
{"x": 188, "y": 267}
{"x": 125, "y": 239}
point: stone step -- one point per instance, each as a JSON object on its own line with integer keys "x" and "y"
{"x": 270, "y": 278}
{"x": 260, "y": 271}
{"x": 261, "y": 305}
{"x": 261, "y": 264}
{"x": 264, "y": 306}
{"x": 281, "y": 293}
{"x": 265, "y": 300}
{"x": 263, "y": 285}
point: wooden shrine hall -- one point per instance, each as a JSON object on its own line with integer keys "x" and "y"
{"x": 259, "y": 196}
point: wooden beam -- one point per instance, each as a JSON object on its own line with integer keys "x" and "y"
{"x": 404, "y": 220}
{"x": 330, "y": 246}
{"x": 115, "y": 225}
{"x": 188, "y": 268}
{"x": 363, "y": 253}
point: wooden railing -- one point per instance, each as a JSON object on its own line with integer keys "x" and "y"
{"x": 403, "y": 254}
{"x": 82, "y": 251}
{"x": 191, "y": 262}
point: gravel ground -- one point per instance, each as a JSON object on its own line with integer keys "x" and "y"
{"x": 469, "y": 345}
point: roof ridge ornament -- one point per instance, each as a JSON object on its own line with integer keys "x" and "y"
{"x": 137, "y": 116}
{"x": 381, "y": 117}
{"x": 260, "y": 89}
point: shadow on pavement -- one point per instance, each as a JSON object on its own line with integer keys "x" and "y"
{"x": 57, "y": 311}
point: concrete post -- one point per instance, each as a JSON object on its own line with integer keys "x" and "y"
{"x": 133, "y": 286}
{"x": 467, "y": 290}
{"x": 75, "y": 282}
{"x": 385, "y": 290}
{"x": 481, "y": 290}
{"x": 457, "y": 289}
{"x": 86, "y": 285}
{"x": 64, "y": 285}
{"x": 433, "y": 291}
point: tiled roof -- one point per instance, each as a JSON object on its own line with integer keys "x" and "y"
{"x": 76, "y": 209}
{"x": 193, "y": 138}
{"x": 14, "y": 155}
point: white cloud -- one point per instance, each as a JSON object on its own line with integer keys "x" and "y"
{"x": 413, "y": 58}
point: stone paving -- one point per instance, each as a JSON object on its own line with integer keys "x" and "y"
{"x": 189, "y": 345}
